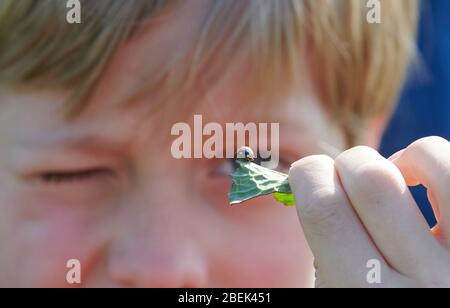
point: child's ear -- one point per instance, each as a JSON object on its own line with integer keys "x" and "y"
{"x": 374, "y": 131}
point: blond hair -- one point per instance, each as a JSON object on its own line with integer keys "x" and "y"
{"x": 358, "y": 67}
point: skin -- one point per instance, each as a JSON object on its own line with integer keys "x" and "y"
{"x": 125, "y": 224}
{"x": 357, "y": 208}
{"x": 136, "y": 217}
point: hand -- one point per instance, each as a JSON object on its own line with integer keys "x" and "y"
{"x": 358, "y": 208}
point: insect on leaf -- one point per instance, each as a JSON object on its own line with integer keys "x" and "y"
{"x": 251, "y": 180}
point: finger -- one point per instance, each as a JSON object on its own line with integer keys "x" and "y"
{"x": 427, "y": 162}
{"x": 337, "y": 239}
{"x": 383, "y": 202}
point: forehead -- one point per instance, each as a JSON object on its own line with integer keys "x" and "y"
{"x": 37, "y": 120}
{"x": 139, "y": 60}
{"x": 152, "y": 49}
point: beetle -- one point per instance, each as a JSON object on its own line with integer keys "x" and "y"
{"x": 246, "y": 154}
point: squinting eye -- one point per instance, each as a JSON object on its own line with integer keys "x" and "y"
{"x": 61, "y": 177}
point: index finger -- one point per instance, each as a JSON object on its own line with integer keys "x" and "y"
{"x": 427, "y": 162}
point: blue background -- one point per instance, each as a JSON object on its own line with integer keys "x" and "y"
{"x": 424, "y": 107}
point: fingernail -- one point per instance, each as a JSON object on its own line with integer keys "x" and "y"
{"x": 396, "y": 155}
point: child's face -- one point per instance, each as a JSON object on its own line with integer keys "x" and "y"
{"x": 105, "y": 190}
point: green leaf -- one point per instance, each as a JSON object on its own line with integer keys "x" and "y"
{"x": 286, "y": 199}
{"x": 251, "y": 180}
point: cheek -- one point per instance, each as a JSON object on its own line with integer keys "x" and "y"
{"x": 266, "y": 250}
{"x": 42, "y": 247}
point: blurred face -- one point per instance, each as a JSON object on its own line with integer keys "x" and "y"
{"x": 105, "y": 189}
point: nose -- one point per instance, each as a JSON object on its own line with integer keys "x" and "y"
{"x": 157, "y": 263}
{"x": 158, "y": 245}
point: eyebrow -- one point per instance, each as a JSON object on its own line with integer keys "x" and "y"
{"x": 96, "y": 145}
{"x": 89, "y": 144}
